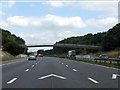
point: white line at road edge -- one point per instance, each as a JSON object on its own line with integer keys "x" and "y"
{"x": 94, "y": 81}
{"x": 26, "y": 70}
{"x": 12, "y": 62}
{"x": 75, "y": 70}
{"x": 11, "y": 81}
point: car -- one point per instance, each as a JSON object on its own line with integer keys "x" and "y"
{"x": 40, "y": 55}
{"x": 32, "y": 57}
{"x": 103, "y": 56}
{"x": 119, "y": 57}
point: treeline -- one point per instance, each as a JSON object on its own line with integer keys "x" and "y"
{"x": 109, "y": 40}
{"x": 11, "y": 43}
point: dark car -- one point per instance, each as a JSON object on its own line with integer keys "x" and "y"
{"x": 103, "y": 56}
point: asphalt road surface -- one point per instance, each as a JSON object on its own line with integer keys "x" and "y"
{"x": 52, "y": 72}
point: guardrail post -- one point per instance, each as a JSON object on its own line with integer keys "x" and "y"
{"x": 110, "y": 61}
{"x": 105, "y": 61}
{"x": 117, "y": 62}
{"x": 95, "y": 60}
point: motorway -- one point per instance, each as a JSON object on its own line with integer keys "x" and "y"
{"x": 53, "y": 72}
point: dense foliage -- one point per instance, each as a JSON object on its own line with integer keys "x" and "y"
{"x": 109, "y": 40}
{"x": 11, "y": 43}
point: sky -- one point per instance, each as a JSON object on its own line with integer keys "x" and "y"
{"x": 49, "y": 21}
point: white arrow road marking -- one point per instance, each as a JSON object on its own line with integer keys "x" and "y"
{"x": 93, "y": 80}
{"x": 11, "y": 81}
{"x": 50, "y": 75}
{"x": 114, "y": 76}
{"x": 66, "y": 65}
{"x": 74, "y": 70}
{"x": 26, "y": 70}
{"x": 33, "y": 65}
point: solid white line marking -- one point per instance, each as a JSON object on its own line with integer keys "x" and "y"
{"x": 75, "y": 70}
{"x": 93, "y": 80}
{"x": 12, "y": 62}
{"x": 66, "y": 65}
{"x": 50, "y": 75}
{"x": 33, "y": 65}
{"x": 11, "y": 81}
{"x": 26, "y": 70}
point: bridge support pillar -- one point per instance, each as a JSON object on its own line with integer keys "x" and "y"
{"x": 85, "y": 51}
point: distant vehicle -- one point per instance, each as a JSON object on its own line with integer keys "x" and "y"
{"x": 103, "y": 56}
{"x": 32, "y": 57}
{"x": 40, "y": 55}
{"x": 119, "y": 57}
{"x": 71, "y": 53}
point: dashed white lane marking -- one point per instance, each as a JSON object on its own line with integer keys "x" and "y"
{"x": 26, "y": 70}
{"x": 74, "y": 70}
{"x": 66, "y": 65}
{"x": 94, "y": 81}
{"x": 62, "y": 63}
{"x": 36, "y": 63}
{"x": 11, "y": 81}
{"x": 33, "y": 65}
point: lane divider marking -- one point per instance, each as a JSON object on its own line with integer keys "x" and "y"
{"x": 11, "y": 81}
{"x": 74, "y": 70}
{"x": 26, "y": 70}
{"x": 66, "y": 65}
{"x": 94, "y": 81}
{"x": 33, "y": 65}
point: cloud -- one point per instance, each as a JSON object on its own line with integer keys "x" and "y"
{"x": 4, "y": 24}
{"x": 102, "y": 22}
{"x": 107, "y": 7}
{"x": 53, "y": 22}
{"x": 47, "y": 22}
{"x": 99, "y": 5}
{"x": 56, "y": 3}
{"x": 48, "y": 37}
{"x": 11, "y": 3}
{"x": 1, "y": 13}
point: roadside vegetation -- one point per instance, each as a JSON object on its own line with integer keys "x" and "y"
{"x": 109, "y": 41}
{"x": 4, "y": 56}
{"x": 11, "y": 43}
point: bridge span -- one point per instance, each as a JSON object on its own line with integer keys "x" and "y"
{"x": 67, "y": 45}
